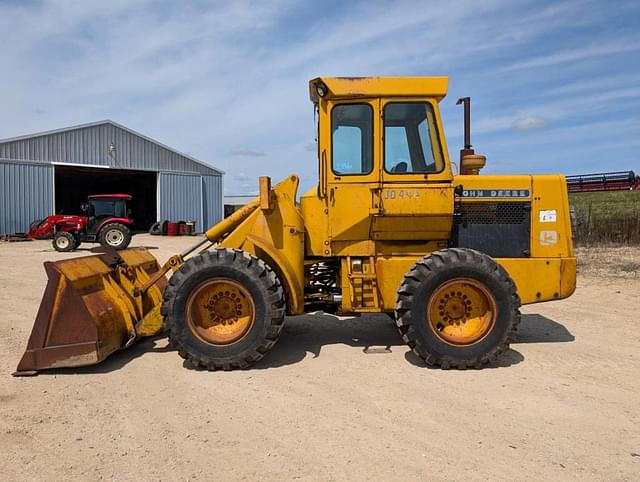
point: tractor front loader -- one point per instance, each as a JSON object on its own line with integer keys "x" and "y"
{"x": 388, "y": 229}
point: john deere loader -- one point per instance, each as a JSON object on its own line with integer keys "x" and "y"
{"x": 391, "y": 227}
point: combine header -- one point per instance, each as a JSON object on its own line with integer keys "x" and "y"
{"x": 604, "y": 181}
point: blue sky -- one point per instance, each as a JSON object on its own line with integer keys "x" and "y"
{"x": 555, "y": 85}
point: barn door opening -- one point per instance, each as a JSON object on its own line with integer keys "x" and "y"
{"x": 73, "y": 184}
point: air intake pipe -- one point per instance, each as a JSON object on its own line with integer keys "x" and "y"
{"x": 470, "y": 162}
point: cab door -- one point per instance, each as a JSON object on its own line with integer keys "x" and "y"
{"x": 351, "y": 161}
{"x": 416, "y": 195}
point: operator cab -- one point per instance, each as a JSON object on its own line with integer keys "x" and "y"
{"x": 102, "y": 206}
{"x": 383, "y": 160}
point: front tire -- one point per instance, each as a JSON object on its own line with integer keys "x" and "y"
{"x": 457, "y": 308}
{"x": 223, "y": 309}
{"x": 115, "y": 235}
{"x": 64, "y": 242}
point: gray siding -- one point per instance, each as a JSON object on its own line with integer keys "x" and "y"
{"x": 90, "y": 145}
{"x": 180, "y": 197}
{"x": 26, "y": 194}
{"x": 212, "y": 198}
{"x": 188, "y": 189}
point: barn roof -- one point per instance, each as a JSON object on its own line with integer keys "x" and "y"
{"x": 106, "y": 122}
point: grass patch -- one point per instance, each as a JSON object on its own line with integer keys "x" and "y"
{"x": 630, "y": 267}
{"x": 609, "y": 262}
{"x": 606, "y": 217}
{"x": 607, "y": 204}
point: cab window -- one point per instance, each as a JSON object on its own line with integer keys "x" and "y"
{"x": 108, "y": 207}
{"x": 352, "y": 139}
{"x": 410, "y": 139}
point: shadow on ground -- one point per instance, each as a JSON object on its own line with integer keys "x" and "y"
{"x": 94, "y": 250}
{"x": 372, "y": 334}
{"x": 117, "y": 360}
{"x": 100, "y": 249}
{"x": 536, "y": 328}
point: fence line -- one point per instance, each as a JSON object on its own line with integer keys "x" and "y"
{"x": 606, "y": 222}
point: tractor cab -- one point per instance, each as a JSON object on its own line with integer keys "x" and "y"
{"x": 101, "y": 207}
{"x": 384, "y": 160}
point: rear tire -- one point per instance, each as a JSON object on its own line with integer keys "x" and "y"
{"x": 115, "y": 236}
{"x": 156, "y": 229}
{"x": 63, "y": 242}
{"x": 223, "y": 309}
{"x": 457, "y": 308}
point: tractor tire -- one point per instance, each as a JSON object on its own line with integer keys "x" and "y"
{"x": 115, "y": 235}
{"x": 457, "y": 308}
{"x": 76, "y": 238}
{"x": 63, "y": 242}
{"x": 156, "y": 229}
{"x": 223, "y": 309}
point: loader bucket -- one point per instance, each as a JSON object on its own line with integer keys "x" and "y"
{"x": 90, "y": 309}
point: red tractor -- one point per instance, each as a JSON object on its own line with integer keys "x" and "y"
{"x": 105, "y": 220}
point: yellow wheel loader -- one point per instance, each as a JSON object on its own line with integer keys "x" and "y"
{"x": 389, "y": 228}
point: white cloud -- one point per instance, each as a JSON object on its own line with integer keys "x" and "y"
{"x": 244, "y": 152}
{"x": 241, "y": 177}
{"x": 526, "y": 123}
{"x": 577, "y": 54}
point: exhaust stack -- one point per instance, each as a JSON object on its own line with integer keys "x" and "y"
{"x": 470, "y": 162}
{"x": 468, "y": 150}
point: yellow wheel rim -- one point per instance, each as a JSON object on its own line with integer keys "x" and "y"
{"x": 462, "y": 312}
{"x": 220, "y": 311}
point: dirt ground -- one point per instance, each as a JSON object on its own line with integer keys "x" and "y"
{"x": 335, "y": 399}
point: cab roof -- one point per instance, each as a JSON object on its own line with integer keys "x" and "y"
{"x": 110, "y": 196}
{"x": 350, "y": 87}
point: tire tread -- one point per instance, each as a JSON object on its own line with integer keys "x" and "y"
{"x": 275, "y": 302}
{"x": 428, "y": 267}
{"x": 125, "y": 230}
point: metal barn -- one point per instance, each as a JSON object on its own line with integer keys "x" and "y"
{"x": 53, "y": 172}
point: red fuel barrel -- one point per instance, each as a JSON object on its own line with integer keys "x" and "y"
{"x": 172, "y": 229}
{"x": 182, "y": 228}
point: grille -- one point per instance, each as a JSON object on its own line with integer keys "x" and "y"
{"x": 494, "y": 213}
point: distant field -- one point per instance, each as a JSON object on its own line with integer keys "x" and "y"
{"x": 607, "y": 204}
{"x": 606, "y": 217}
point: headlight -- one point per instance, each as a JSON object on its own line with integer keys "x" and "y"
{"x": 321, "y": 89}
